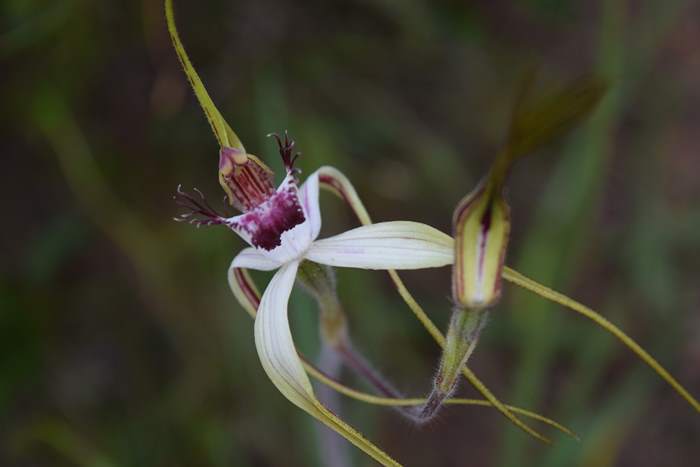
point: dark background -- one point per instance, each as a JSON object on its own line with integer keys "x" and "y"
{"x": 120, "y": 343}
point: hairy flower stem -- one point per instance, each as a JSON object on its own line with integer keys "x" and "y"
{"x": 320, "y": 282}
{"x": 462, "y": 337}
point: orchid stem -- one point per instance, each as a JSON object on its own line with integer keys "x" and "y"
{"x": 462, "y": 337}
{"x": 334, "y": 181}
{"x": 248, "y": 296}
{"x": 395, "y": 402}
{"x": 320, "y": 282}
{"x": 549, "y": 294}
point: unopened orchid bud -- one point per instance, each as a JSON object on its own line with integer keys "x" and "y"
{"x": 481, "y": 229}
{"x": 482, "y": 219}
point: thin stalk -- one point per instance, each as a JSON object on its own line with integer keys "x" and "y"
{"x": 556, "y": 297}
{"x": 248, "y": 296}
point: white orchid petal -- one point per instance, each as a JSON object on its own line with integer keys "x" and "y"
{"x": 280, "y": 360}
{"x": 386, "y": 245}
{"x": 273, "y": 339}
{"x": 251, "y": 258}
{"x": 309, "y": 197}
{"x": 293, "y": 243}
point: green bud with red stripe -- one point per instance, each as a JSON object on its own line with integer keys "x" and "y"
{"x": 481, "y": 229}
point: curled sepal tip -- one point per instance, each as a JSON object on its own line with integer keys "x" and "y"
{"x": 222, "y": 131}
{"x": 481, "y": 229}
{"x": 283, "y": 366}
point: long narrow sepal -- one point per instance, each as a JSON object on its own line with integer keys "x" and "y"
{"x": 226, "y": 137}
{"x": 556, "y": 297}
{"x": 274, "y": 340}
{"x": 337, "y": 183}
{"x": 246, "y": 292}
{"x": 280, "y": 361}
{"x": 386, "y": 245}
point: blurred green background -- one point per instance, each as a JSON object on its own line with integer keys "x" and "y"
{"x": 120, "y": 343}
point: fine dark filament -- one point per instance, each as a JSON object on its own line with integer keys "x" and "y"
{"x": 286, "y": 148}
{"x": 199, "y": 211}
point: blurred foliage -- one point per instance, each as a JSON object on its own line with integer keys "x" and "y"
{"x": 120, "y": 344}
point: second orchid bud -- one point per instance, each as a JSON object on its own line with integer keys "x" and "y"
{"x": 481, "y": 230}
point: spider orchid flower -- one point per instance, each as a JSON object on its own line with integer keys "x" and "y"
{"x": 281, "y": 226}
{"x": 282, "y": 229}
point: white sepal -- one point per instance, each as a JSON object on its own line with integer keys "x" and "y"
{"x": 386, "y": 245}
{"x": 280, "y": 360}
{"x": 273, "y": 339}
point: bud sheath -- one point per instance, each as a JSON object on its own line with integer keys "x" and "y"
{"x": 462, "y": 337}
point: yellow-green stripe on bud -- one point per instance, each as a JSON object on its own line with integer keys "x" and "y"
{"x": 481, "y": 229}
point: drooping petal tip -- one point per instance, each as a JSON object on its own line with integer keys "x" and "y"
{"x": 273, "y": 340}
{"x": 279, "y": 358}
